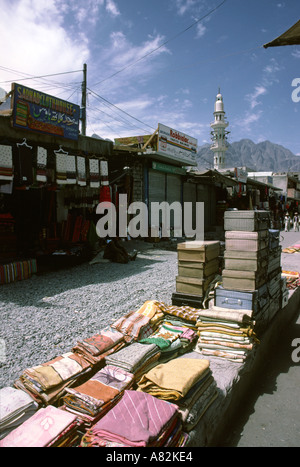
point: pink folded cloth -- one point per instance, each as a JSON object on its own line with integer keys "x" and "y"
{"x": 40, "y": 429}
{"x": 136, "y": 420}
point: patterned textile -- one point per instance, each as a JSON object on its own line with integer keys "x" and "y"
{"x": 15, "y": 407}
{"x": 94, "y": 349}
{"x": 81, "y": 171}
{"x": 6, "y": 163}
{"x": 154, "y": 310}
{"x": 173, "y": 380}
{"x": 47, "y": 427}
{"x": 71, "y": 170}
{"x": 61, "y": 168}
{"x": 47, "y": 382}
{"x": 184, "y": 312}
{"x": 17, "y": 271}
{"x": 135, "y": 358}
{"x": 94, "y": 173}
{"x": 163, "y": 336}
{"x": 41, "y": 172}
{"x": 228, "y": 334}
{"x": 138, "y": 420}
{"x": 98, "y": 394}
{"x": 134, "y": 326}
{"x": 205, "y": 397}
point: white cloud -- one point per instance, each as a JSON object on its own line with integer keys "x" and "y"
{"x": 35, "y": 40}
{"x": 252, "y": 98}
{"x": 112, "y": 8}
{"x": 200, "y": 30}
{"x": 296, "y": 53}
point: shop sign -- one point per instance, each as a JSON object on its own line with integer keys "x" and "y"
{"x": 168, "y": 168}
{"x": 39, "y": 112}
{"x": 176, "y": 145}
{"x": 132, "y": 140}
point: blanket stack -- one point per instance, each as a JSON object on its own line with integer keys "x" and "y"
{"x": 48, "y": 427}
{"x": 94, "y": 349}
{"x": 136, "y": 358}
{"x": 226, "y": 333}
{"x": 137, "y": 420}
{"x": 16, "y": 407}
{"x": 139, "y": 324}
{"x": 172, "y": 340}
{"x": 93, "y": 399}
{"x": 187, "y": 382}
{"x": 46, "y": 383}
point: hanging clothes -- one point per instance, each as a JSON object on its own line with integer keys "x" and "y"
{"x": 23, "y": 165}
{"x": 6, "y": 163}
{"x": 41, "y": 172}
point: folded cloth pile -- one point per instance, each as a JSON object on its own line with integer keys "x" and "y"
{"x": 226, "y": 333}
{"x": 46, "y": 383}
{"x": 16, "y": 407}
{"x": 182, "y": 316}
{"x": 199, "y": 398}
{"x": 136, "y": 358}
{"x": 92, "y": 399}
{"x": 94, "y": 349}
{"x": 154, "y": 310}
{"x": 187, "y": 382}
{"x": 172, "y": 380}
{"x": 137, "y": 420}
{"x": 48, "y": 427}
{"x": 172, "y": 340}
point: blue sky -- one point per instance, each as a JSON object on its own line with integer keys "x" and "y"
{"x": 156, "y": 61}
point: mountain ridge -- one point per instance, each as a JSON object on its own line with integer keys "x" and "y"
{"x": 264, "y": 156}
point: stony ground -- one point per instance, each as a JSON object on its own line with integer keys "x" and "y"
{"x": 44, "y": 316}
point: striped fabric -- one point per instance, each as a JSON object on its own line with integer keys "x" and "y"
{"x": 17, "y": 271}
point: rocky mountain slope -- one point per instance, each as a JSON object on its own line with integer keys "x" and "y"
{"x": 264, "y": 156}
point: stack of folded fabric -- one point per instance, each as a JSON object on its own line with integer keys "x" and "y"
{"x": 182, "y": 316}
{"x": 154, "y": 310}
{"x": 172, "y": 340}
{"x": 94, "y": 349}
{"x": 188, "y": 382}
{"x": 16, "y": 407}
{"x": 197, "y": 400}
{"x": 226, "y": 333}
{"x": 138, "y": 420}
{"x": 48, "y": 427}
{"x": 136, "y": 358}
{"x": 136, "y": 325}
{"x": 46, "y": 383}
{"x": 91, "y": 400}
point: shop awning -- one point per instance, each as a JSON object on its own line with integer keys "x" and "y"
{"x": 289, "y": 37}
{"x": 214, "y": 175}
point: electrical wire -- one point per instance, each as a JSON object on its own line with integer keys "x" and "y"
{"x": 34, "y": 77}
{"x": 121, "y": 110}
{"x": 162, "y": 45}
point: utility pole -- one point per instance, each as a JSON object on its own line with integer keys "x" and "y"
{"x": 83, "y": 101}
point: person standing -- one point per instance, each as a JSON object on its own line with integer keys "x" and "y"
{"x": 287, "y": 222}
{"x": 296, "y": 222}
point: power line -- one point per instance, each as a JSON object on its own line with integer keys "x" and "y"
{"x": 34, "y": 77}
{"x": 162, "y": 45}
{"x": 121, "y": 110}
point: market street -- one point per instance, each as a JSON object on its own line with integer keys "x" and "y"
{"x": 45, "y": 316}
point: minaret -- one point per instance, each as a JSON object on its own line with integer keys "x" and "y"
{"x": 219, "y": 133}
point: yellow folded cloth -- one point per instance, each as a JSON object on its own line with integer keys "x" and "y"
{"x": 172, "y": 380}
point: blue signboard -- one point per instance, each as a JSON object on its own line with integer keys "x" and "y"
{"x": 36, "y": 111}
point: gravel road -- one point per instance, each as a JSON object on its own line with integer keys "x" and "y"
{"x": 44, "y": 316}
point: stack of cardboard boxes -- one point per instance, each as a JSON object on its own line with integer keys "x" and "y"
{"x": 198, "y": 265}
{"x": 251, "y": 278}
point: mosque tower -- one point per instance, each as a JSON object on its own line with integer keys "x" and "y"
{"x": 219, "y": 133}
